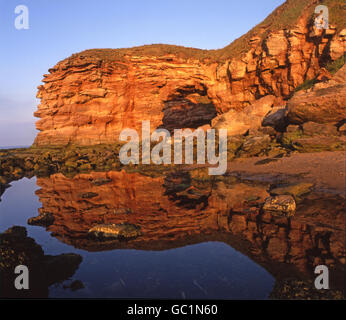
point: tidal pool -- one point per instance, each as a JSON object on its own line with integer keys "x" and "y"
{"x": 204, "y": 270}
{"x": 200, "y": 237}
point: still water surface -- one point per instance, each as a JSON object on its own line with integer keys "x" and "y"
{"x": 204, "y": 270}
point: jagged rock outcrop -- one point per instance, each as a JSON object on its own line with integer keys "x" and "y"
{"x": 276, "y": 118}
{"x": 316, "y": 115}
{"x": 324, "y": 103}
{"x": 251, "y": 117}
{"x": 91, "y": 96}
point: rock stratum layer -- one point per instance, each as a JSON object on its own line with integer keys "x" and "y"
{"x": 91, "y": 96}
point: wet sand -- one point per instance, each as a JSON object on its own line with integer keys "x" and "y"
{"x": 325, "y": 169}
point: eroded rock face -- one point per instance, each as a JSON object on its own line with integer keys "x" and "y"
{"x": 324, "y": 103}
{"x": 167, "y": 91}
{"x": 238, "y": 123}
{"x": 90, "y": 97}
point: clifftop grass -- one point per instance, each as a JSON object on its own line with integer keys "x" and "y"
{"x": 284, "y": 17}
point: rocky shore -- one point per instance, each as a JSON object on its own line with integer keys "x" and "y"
{"x": 312, "y": 121}
{"x": 279, "y": 90}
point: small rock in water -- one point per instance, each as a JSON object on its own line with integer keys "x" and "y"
{"x": 280, "y": 205}
{"x": 115, "y": 231}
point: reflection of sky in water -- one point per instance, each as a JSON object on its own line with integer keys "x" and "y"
{"x": 204, "y": 270}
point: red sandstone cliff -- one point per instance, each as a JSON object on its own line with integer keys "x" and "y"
{"x": 91, "y": 96}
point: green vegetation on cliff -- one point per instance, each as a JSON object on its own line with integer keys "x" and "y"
{"x": 333, "y": 67}
{"x": 284, "y": 17}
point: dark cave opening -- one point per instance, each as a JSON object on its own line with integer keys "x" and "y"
{"x": 188, "y": 107}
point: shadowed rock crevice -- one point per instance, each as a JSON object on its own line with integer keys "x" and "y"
{"x": 188, "y": 107}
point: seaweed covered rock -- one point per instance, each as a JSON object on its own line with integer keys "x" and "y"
{"x": 313, "y": 137}
{"x": 293, "y": 289}
{"x": 255, "y": 146}
{"x": 296, "y": 190}
{"x": 281, "y": 205}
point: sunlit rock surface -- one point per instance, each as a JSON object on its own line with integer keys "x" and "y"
{"x": 91, "y": 96}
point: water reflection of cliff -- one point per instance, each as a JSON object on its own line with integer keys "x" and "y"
{"x": 184, "y": 208}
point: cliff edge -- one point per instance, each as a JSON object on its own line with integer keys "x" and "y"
{"x": 91, "y": 96}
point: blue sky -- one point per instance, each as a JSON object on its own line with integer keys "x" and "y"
{"x": 58, "y": 28}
